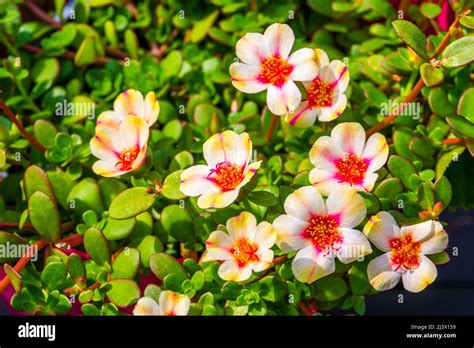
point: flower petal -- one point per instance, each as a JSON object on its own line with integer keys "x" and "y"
{"x": 283, "y": 99}
{"x": 195, "y": 182}
{"x": 347, "y": 205}
{"x": 265, "y": 261}
{"x": 218, "y": 147}
{"x": 245, "y": 78}
{"x": 323, "y": 180}
{"x": 109, "y": 119}
{"x": 147, "y": 306}
{"x": 304, "y": 67}
{"x": 134, "y": 132}
{"x": 320, "y": 58}
{"x": 354, "y": 245}
{"x": 368, "y": 183}
{"x": 102, "y": 151}
{"x": 375, "y": 152}
{"x": 231, "y": 271}
{"x": 109, "y": 138}
{"x": 152, "y": 109}
{"x": 327, "y": 114}
{"x": 219, "y": 246}
{"x": 380, "y": 229}
{"x": 304, "y": 203}
{"x": 252, "y": 48}
{"x": 309, "y": 266}
{"x": 436, "y": 243}
{"x": 350, "y": 136}
{"x": 418, "y": 279}
{"x": 242, "y": 226}
{"x": 217, "y": 199}
{"x": 242, "y": 150}
{"x": 265, "y": 235}
{"x": 280, "y": 39}
{"x": 381, "y": 274}
{"x": 422, "y": 231}
{"x": 304, "y": 116}
{"x": 173, "y": 303}
{"x": 325, "y": 153}
{"x": 337, "y": 74}
{"x": 250, "y": 171}
{"x": 130, "y": 102}
{"x": 106, "y": 169}
{"x": 290, "y": 233}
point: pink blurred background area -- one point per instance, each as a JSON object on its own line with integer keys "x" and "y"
{"x": 444, "y": 19}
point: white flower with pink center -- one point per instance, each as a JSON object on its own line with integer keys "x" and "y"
{"x": 170, "y": 304}
{"x": 346, "y": 159}
{"x": 243, "y": 249}
{"x": 405, "y": 252}
{"x": 325, "y": 99}
{"x": 227, "y": 170}
{"x": 321, "y": 231}
{"x": 266, "y": 64}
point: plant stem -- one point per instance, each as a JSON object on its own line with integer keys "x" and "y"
{"x": 20, "y": 127}
{"x": 451, "y": 141}
{"x": 271, "y": 127}
{"x": 420, "y": 84}
{"x": 15, "y": 225}
{"x": 279, "y": 259}
{"x": 36, "y": 247}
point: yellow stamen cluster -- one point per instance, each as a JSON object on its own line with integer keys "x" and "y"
{"x": 351, "y": 169}
{"x": 275, "y": 70}
{"x": 405, "y": 252}
{"x": 320, "y": 94}
{"x": 245, "y": 251}
{"x": 126, "y": 159}
{"x": 227, "y": 175}
{"x": 323, "y": 232}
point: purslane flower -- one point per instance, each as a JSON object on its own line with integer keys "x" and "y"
{"x": 405, "y": 249}
{"x": 325, "y": 99}
{"x": 321, "y": 231}
{"x": 218, "y": 183}
{"x": 266, "y": 64}
{"x": 130, "y": 102}
{"x": 120, "y": 150}
{"x": 243, "y": 249}
{"x": 170, "y": 304}
{"x": 346, "y": 159}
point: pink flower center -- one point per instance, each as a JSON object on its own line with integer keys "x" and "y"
{"x": 351, "y": 169}
{"x": 126, "y": 159}
{"x": 275, "y": 70}
{"x": 320, "y": 94}
{"x": 323, "y": 232}
{"x": 405, "y": 252}
{"x": 245, "y": 251}
{"x": 227, "y": 175}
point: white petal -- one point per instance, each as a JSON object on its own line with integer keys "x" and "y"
{"x": 252, "y": 48}
{"x": 436, "y": 243}
{"x": 375, "y": 152}
{"x": 219, "y": 246}
{"x": 265, "y": 260}
{"x": 354, "y": 245}
{"x": 242, "y": 226}
{"x": 128, "y": 103}
{"x": 323, "y": 180}
{"x": 418, "y": 279}
{"x": 242, "y": 150}
{"x": 332, "y": 112}
{"x": 110, "y": 119}
{"x": 217, "y": 200}
{"x": 265, "y": 236}
{"x": 304, "y": 116}
{"x": 325, "y": 153}
{"x": 152, "y": 108}
{"x": 421, "y": 231}
{"x": 195, "y": 182}
{"x": 218, "y": 147}
{"x": 280, "y": 39}
{"x": 107, "y": 169}
{"x": 309, "y": 266}
{"x": 283, "y": 99}
{"x": 350, "y": 136}
{"x": 290, "y": 232}
{"x": 245, "y": 78}
{"x": 381, "y": 274}
{"x": 231, "y": 271}
{"x": 134, "y": 132}
{"x": 304, "y": 67}
{"x": 368, "y": 183}
{"x": 304, "y": 203}
{"x": 321, "y": 58}
{"x": 335, "y": 73}
{"x": 381, "y": 229}
{"x": 347, "y": 206}
{"x": 147, "y": 306}
{"x": 173, "y": 303}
